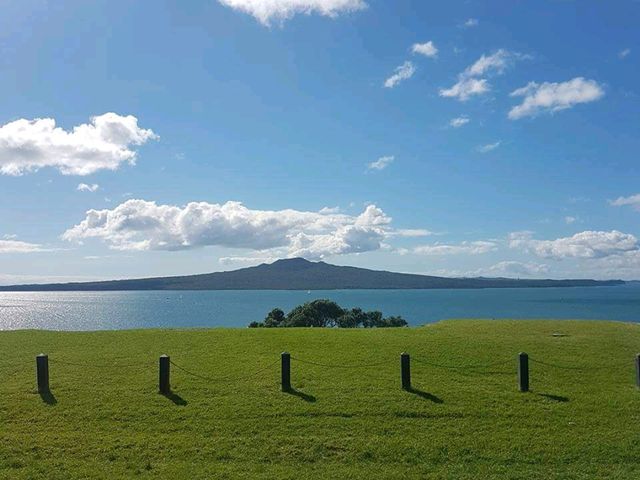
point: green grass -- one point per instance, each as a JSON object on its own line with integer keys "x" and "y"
{"x": 108, "y": 421}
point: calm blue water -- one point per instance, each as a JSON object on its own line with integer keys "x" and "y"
{"x": 123, "y": 310}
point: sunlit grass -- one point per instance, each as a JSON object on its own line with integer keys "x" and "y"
{"x": 107, "y": 420}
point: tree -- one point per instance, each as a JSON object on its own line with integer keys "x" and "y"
{"x": 319, "y": 313}
{"x": 373, "y": 319}
{"x": 275, "y": 318}
{"x": 393, "y": 321}
{"x": 351, "y": 318}
{"x": 325, "y": 313}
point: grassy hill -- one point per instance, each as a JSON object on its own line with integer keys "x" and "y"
{"x": 108, "y": 421}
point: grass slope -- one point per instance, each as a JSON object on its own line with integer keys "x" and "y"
{"x": 109, "y": 422}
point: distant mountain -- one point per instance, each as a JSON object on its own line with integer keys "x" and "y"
{"x": 300, "y": 274}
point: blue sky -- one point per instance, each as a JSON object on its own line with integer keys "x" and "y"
{"x": 158, "y": 138}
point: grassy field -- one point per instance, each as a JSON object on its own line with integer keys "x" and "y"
{"x": 107, "y": 420}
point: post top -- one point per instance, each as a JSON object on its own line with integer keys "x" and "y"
{"x": 522, "y": 353}
{"x": 164, "y": 355}
{"x": 284, "y": 353}
{"x": 42, "y": 355}
{"x": 404, "y": 353}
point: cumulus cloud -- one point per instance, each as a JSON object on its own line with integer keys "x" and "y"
{"x": 15, "y": 246}
{"x": 266, "y": 11}
{"x": 84, "y": 187}
{"x": 103, "y": 144}
{"x": 468, "y": 248}
{"x": 143, "y": 225}
{"x": 465, "y": 88}
{"x": 469, "y": 82}
{"x": 496, "y": 62}
{"x": 403, "y": 72}
{"x": 632, "y": 201}
{"x": 587, "y": 244}
{"x": 624, "y": 53}
{"x": 381, "y": 163}
{"x": 554, "y": 97}
{"x": 459, "y": 121}
{"x": 488, "y": 147}
{"x": 427, "y": 49}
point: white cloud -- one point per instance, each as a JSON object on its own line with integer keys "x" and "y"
{"x": 497, "y": 62}
{"x": 15, "y": 246}
{"x": 103, "y": 144}
{"x": 403, "y": 72}
{"x": 553, "y": 97}
{"x": 265, "y": 11}
{"x": 469, "y": 82}
{"x": 427, "y": 49}
{"x": 632, "y": 201}
{"x": 624, "y": 53}
{"x": 9, "y": 279}
{"x": 142, "y": 225}
{"x": 459, "y": 121}
{"x": 246, "y": 261}
{"x": 489, "y": 147}
{"x": 569, "y": 220}
{"x": 509, "y": 269}
{"x": 411, "y": 232}
{"x": 465, "y": 88}
{"x": 471, "y": 22}
{"x": 84, "y": 187}
{"x": 325, "y": 210}
{"x": 587, "y": 244}
{"x": 519, "y": 269}
{"x": 468, "y": 248}
{"x": 578, "y": 199}
{"x": 381, "y": 163}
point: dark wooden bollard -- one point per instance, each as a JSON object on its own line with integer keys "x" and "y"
{"x": 165, "y": 369}
{"x": 405, "y": 371}
{"x": 42, "y": 373}
{"x": 285, "y": 360}
{"x": 638, "y": 370}
{"x": 523, "y": 372}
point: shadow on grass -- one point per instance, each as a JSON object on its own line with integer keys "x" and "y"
{"x": 555, "y": 398}
{"x": 175, "y": 398}
{"x": 297, "y": 393}
{"x": 426, "y": 395}
{"x": 48, "y": 397}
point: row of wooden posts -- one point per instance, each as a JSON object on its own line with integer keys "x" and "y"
{"x": 42, "y": 372}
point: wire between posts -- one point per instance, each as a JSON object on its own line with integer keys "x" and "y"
{"x": 327, "y": 365}
{"x": 576, "y": 367}
{"x": 99, "y": 366}
{"x": 462, "y": 367}
{"x": 223, "y": 379}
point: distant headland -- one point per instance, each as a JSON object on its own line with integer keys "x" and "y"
{"x": 301, "y": 274}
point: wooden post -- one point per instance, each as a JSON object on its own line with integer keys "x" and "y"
{"x": 523, "y": 372}
{"x": 285, "y": 359}
{"x": 405, "y": 370}
{"x": 638, "y": 370}
{"x": 165, "y": 368}
{"x": 42, "y": 373}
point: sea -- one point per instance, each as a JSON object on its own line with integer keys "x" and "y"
{"x": 74, "y": 311}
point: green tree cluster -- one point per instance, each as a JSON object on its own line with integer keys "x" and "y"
{"x": 325, "y": 313}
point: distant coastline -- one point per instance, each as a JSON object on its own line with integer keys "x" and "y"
{"x": 300, "y": 274}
